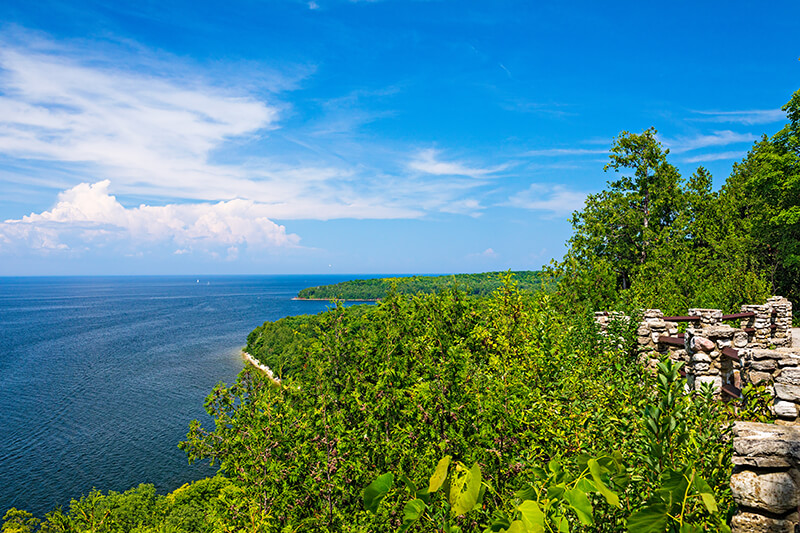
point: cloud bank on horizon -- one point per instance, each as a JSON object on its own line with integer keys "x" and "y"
{"x": 261, "y": 142}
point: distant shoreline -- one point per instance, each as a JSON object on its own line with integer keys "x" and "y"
{"x": 297, "y": 298}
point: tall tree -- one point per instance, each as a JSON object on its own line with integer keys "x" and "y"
{"x": 619, "y": 225}
{"x": 770, "y": 176}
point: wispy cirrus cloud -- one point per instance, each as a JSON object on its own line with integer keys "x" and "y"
{"x": 557, "y": 152}
{"x": 747, "y": 118}
{"x": 719, "y": 156}
{"x": 88, "y": 214}
{"x": 429, "y": 162}
{"x": 715, "y": 139}
{"x": 556, "y": 200}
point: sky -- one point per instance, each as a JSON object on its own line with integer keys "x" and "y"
{"x": 343, "y": 136}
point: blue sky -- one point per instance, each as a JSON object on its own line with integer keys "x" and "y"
{"x": 335, "y": 136}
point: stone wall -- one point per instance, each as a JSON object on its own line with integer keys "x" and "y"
{"x": 771, "y": 325}
{"x": 707, "y": 361}
{"x": 766, "y": 478}
{"x": 728, "y": 358}
{"x": 779, "y": 370}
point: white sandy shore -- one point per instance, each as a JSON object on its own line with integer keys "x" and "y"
{"x": 264, "y": 368}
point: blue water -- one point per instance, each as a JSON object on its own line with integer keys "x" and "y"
{"x": 99, "y": 377}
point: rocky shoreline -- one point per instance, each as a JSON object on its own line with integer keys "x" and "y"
{"x": 264, "y": 368}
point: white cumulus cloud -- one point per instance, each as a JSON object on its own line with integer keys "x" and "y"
{"x": 90, "y": 215}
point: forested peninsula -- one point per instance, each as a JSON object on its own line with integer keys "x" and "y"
{"x": 377, "y": 288}
{"x": 509, "y": 412}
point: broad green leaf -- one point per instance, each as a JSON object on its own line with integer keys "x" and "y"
{"x": 556, "y": 492}
{"x": 469, "y": 497}
{"x": 376, "y": 491}
{"x": 577, "y": 499}
{"x": 413, "y": 510}
{"x": 586, "y": 485}
{"x": 532, "y": 516}
{"x": 562, "y": 524}
{"x": 516, "y": 527}
{"x": 439, "y": 475}
{"x": 457, "y": 481}
{"x": 595, "y": 470}
{"x": 528, "y": 493}
{"x": 673, "y": 486}
{"x": 649, "y": 519}
{"x": 706, "y": 494}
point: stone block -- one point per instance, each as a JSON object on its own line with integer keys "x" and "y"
{"x": 701, "y": 368}
{"x": 765, "y": 365}
{"x": 715, "y": 332}
{"x": 785, "y": 409}
{"x": 643, "y": 331}
{"x": 788, "y": 392}
{"x": 790, "y": 375}
{"x": 774, "y": 492}
{"x": 758, "y": 377}
{"x": 761, "y": 462}
{"x": 756, "y": 523}
{"x": 701, "y": 344}
{"x": 754, "y": 439}
{"x": 740, "y": 339}
{"x": 760, "y": 353}
{"x": 724, "y": 342}
{"x": 700, "y": 357}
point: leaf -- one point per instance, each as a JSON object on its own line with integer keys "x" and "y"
{"x": 595, "y": 470}
{"x": 516, "y": 527}
{"x": 706, "y": 494}
{"x": 466, "y": 500}
{"x": 577, "y": 499}
{"x": 532, "y": 516}
{"x": 439, "y": 475}
{"x": 673, "y": 486}
{"x": 649, "y": 519}
{"x": 376, "y": 491}
{"x": 457, "y": 481}
{"x": 413, "y": 510}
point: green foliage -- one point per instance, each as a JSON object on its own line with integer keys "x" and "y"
{"x": 194, "y": 507}
{"x": 506, "y": 382}
{"x": 375, "y": 289}
{"x": 663, "y": 492}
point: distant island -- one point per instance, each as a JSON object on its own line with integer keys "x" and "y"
{"x": 375, "y": 289}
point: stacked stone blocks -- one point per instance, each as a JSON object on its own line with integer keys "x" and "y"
{"x": 766, "y": 478}
{"x": 715, "y": 353}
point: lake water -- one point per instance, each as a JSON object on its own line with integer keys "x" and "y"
{"x": 99, "y": 377}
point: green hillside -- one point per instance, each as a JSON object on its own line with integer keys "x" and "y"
{"x": 375, "y": 289}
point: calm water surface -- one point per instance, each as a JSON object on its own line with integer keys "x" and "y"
{"x": 99, "y": 377}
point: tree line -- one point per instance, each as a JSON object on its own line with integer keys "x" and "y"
{"x": 655, "y": 239}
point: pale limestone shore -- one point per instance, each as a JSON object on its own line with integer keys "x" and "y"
{"x": 264, "y": 368}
